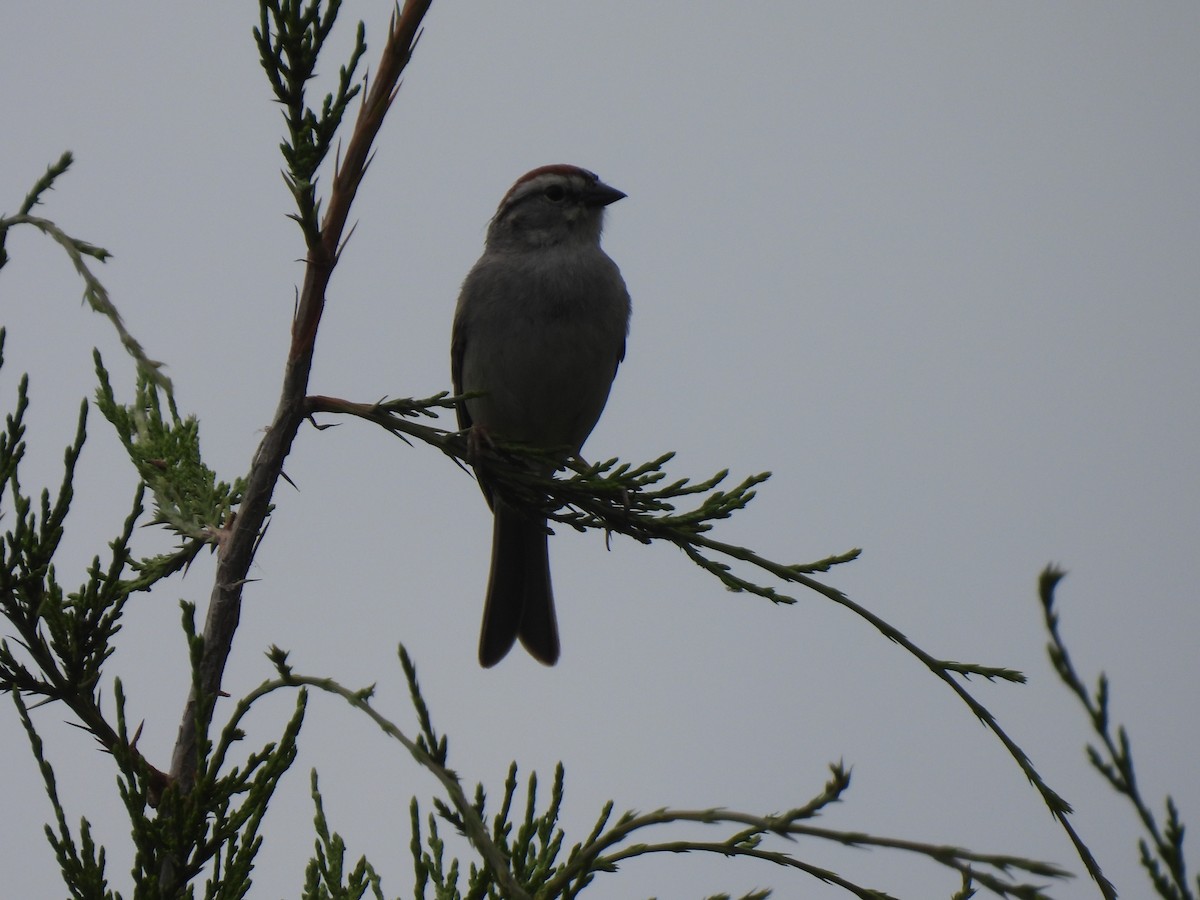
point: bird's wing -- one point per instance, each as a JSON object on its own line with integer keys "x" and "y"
{"x": 458, "y": 343}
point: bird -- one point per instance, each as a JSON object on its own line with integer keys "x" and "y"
{"x": 539, "y": 331}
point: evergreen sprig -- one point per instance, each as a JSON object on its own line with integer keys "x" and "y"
{"x": 64, "y": 637}
{"x": 326, "y": 877}
{"x": 522, "y": 844}
{"x": 215, "y": 827}
{"x": 290, "y": 36}
{"x": 189, "y": 500}
{"x": 79, "y": 252}
{"x": 632, "y": 499}
{"x": 33, "y": 198}
{"x": 1161, "y": 851}
{"x": 81, "y": 862}
{"x": 637, "y": 500}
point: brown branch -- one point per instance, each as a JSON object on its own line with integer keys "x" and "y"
{"x": 237, "y": 554}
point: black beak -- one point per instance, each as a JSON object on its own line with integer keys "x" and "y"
{"x": 600, "y": 194}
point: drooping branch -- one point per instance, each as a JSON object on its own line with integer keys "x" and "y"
{"x": 1162, "y": 854}
{"x": 79, "y": 252}
{"x": 627, "y": 499}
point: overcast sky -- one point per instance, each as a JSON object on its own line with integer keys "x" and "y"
{"x": 932, "y": 264}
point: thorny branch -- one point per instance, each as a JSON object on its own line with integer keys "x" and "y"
{"x": 237, "y": 554}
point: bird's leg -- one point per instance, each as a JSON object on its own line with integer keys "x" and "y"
{"x": 479, "y": 444}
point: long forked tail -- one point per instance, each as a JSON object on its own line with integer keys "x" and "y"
{"x": 520, "y": 601}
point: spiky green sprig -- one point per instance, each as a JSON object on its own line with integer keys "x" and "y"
{"x": 165, "y": 450}
{"x": 290, "y": 37}
{"x": 523, "y": 851}
{"x": 82, "y": 862}
{"x": 1162, "y": 856}
{"x": 79, "y": 252}
{"x": 213, "y": 828}
{"x": 326, "y": 877}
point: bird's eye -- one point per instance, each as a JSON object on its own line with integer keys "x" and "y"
{"x": 555, "y": 193}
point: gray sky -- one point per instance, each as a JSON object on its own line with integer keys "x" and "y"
{"x": 932, "y": 264}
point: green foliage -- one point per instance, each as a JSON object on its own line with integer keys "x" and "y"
{"x": 638, "y": 500}
{"x": 217, "y": 822}
{"x": 196, "y": 830}
{"x": 82, "y": 864}
{"x": 79, "y": 252}
{"x": 326, "y": 877}
{"x": 1161, "y": 851}
{"x": 165, "y": 450}
{"x": 521, "y": 846}
{"x": 290, "y": 37}
{"x": 65, "y": 637}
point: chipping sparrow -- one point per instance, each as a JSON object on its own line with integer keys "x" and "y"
{"x": 539, "y": 332}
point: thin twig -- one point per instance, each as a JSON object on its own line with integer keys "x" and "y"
{"x": 472, "y": 822}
